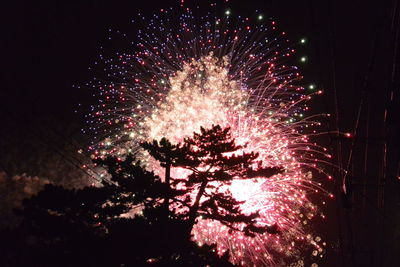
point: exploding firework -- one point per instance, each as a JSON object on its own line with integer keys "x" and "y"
{"x": 202, "y": 71}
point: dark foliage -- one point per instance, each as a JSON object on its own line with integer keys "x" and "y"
{"x": 66, "y": 227}
{"x": 214, "y": 161}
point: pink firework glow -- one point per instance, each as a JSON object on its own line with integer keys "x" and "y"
{"x": 201, "y": 71}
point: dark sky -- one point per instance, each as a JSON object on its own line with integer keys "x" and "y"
{"x": 49, "y": 45}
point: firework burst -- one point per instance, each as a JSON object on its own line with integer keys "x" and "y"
{"x": 203, "y": 71}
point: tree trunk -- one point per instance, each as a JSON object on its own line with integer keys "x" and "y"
{"x": 195, "y": 207}
{"x": 168, "y": 183}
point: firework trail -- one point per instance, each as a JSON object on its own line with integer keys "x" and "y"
{"x": 205, "y": 70}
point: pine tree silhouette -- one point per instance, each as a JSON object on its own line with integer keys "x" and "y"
{"x": 214, "y": 161}
{"x": 90, "y": 226}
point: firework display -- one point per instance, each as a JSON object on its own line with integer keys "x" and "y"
{"x": 189, "y": 71}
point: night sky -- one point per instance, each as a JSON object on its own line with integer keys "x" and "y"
{"x": 48, "y": 47}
